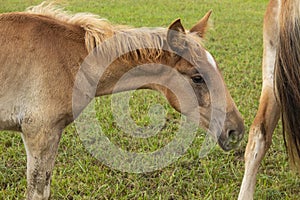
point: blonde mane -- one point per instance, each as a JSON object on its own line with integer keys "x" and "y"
{"x": 98, "y": 29}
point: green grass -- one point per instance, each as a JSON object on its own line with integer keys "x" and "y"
{"x": 236, "y": 42}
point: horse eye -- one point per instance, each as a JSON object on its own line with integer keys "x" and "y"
{"x": 198, "y": 79}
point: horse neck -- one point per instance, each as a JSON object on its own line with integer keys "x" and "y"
{"x": 124, "y": 76}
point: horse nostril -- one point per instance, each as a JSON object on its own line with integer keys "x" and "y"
{"x": 232, "y": 135}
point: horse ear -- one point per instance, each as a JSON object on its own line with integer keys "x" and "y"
{"x": 201, "y": 27}
{"x": 176, "y": 36}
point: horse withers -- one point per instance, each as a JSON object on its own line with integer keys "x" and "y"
{"x": 44, "y": 48}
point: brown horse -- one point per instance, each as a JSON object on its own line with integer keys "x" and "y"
{"x": 280, "y": 92}
{"x": 42, "y": 51}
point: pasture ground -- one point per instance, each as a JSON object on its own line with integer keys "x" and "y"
{"x": 236, "y": 42}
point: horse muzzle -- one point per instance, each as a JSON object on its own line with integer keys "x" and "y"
{"x": 232, "y": 133}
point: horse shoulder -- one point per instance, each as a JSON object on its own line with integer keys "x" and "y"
{"x": 39, "y": 58}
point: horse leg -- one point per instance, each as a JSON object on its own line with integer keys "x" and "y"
{"x": 260, "y": 139}
{"x": 267, "y": 116}
{"x": 41, "y": 150}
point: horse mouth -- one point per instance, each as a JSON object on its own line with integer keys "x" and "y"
{"x": 228, "y": 146}
{"x": 228, "y": 135}
{"x": 232, "y": 141}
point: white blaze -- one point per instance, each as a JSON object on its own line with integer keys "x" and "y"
{"x": 211, "y": 60}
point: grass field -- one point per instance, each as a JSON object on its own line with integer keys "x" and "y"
{"x": 236, "y": 42}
